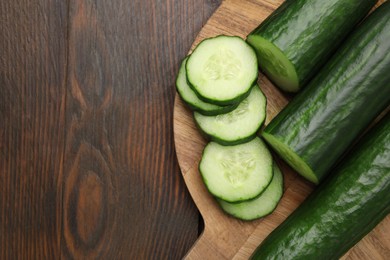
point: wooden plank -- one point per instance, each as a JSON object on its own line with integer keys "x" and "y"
{"x": 124, "y": 196}
{"x": 225, "y": 237}
{"x": 32, "y": 99}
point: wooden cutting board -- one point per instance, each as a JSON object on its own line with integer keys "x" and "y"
{"x": 225, "y": 237}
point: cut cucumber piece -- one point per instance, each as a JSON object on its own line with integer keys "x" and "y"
{"x": 343, "y": 209}
{"x": 237, "y": 126}
{"x": 192, "y": 100}
{"x": 316, "y": 128}
{"x": 236, "y": 173}
{"x": 222, "y": 70}
{"x": 293, "y": 159}
{"x": 298, "y": 38}
{"x": 260, "y": 206}
{"x": 275, "y": 64}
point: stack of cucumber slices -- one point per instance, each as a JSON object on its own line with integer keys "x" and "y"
{"x": 218, "y": 82}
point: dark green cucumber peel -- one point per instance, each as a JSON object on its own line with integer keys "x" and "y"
{"x": 216, "y": 100}
{"x": 191, "y": 99}
{"x": 213, "y": 138}
{"x": 317, "y": 126}
{"x": 300, "y": 36}
{"x": 343, "y": 209}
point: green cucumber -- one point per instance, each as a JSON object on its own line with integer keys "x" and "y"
{"x": 237, "y": 126}
{"x": 192, "y": 100}
{"x": 343, "y": 209}
{"x": 236, "y": 173}
{"x": 300, "y": 36}
{"x": 321, "y": 122}
{"x": 260, "y": 206}
{"x": 221, "y": 70}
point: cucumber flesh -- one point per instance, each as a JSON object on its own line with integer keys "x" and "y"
{"x": 275, "y": 64}
{"x": 222, "y": 70}
{"x": 260, "y": 206}
{"x": 239, "y": 125}
{"x": 236, "y": 173}
{"x": 291, "y": 157}
{"x": 192, "y": 100}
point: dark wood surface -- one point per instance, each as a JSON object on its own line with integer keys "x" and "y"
{"x": 87, "y": 161}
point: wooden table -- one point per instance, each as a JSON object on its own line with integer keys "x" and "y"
{"x": 87, "y": 161}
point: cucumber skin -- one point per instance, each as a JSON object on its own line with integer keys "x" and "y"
{"x": 230, "y": 102}
{"x": 222, "y": 110}
{"x": 347, "y": 94}
{"x": 309, "y": 47}
{"x": 342, "y": 210}
{"x": 214, "y": 138}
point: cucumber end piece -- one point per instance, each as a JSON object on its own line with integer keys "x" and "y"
{"x": 275, "y": 64}
{"x": 289, "y": 156}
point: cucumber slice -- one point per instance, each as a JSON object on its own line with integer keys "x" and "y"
{"x": 222, "y": 70}
{"x": 236, "y": 173}
{"x": 192, "y": 100}
{"x": 239, "y": 125}
{"x": 260, "y": 206}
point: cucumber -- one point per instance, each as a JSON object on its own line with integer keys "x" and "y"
{"x": 260, "y": 206}
{"x": 343, "y": 209}
{"x": 321, "y": 122}
{"x": 192, "y": 100}
{"x": 237, "y": 126}
{"x": 221, "y": 70}
{"x": 300, "y": 36}
{"x": 236, "y": 173}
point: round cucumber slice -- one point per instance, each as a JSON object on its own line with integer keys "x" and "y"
{"x": 221, "y": 70}
{"x": 275, "y": 64}
{"x": 239, "y": 125}
{"x": 260, "y": 206}
{"x": 236, "y": 173}
{"x": 192, "y": 100}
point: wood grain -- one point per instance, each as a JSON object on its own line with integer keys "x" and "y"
{"x": 87, "y": 161}
{"x": 225, "y": 237}
{"x": 32, "y": 108}
{"x": 123, "y": 57}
